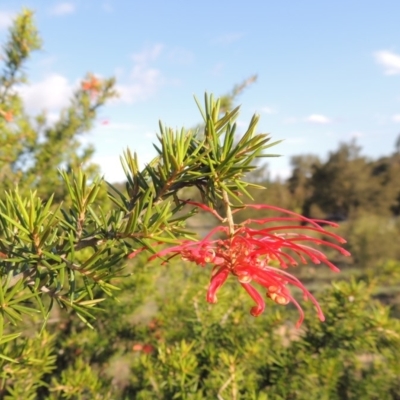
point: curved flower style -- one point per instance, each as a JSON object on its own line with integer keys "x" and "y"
{"x": 248, "y": 254}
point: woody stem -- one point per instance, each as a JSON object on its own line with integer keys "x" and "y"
{"x": 228, "y": 211}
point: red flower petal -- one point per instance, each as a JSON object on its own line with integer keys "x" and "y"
{"x": 217, "y": 280}
{"x": 260, "y": 303}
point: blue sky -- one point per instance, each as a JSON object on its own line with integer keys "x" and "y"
{"x": 327, "y": 71}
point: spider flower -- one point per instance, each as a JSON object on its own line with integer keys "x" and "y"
{"x": 7, "y": 115}
{"x": 92, "y": 85}
{"x": 261, "y": 256}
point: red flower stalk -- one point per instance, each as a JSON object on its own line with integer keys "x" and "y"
{"x": 248, "y": 254}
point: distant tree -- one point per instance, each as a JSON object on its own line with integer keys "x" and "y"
{"x": 396, "y": 173}
{"x": 349, "y": 183}
{"x": 385, "y": 178}
{"x": 32, "y": 148}
{"x": 342, "y": 185}
{"x": 397, "y": 145}
{"x": 299, "y": 181}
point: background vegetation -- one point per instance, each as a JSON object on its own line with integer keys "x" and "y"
{"x": 158, "y": 338}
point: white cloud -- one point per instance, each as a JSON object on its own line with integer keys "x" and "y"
{"x": 396, "y": 118}
{"x": 281, "y": 173}
{"x": 144, "y": 80}
{"x": 51, "y": 94}
{"x": 52, "y": 117}
{"x": 148, "y": 55}
{"x": 389, "y": 60}
{"x": 318, "y": 119}
{"x": 145, "y": 83}
{"x": 63, "y": 9}
{"x": 6, "y": 19}
{"x": 111, "y": 166}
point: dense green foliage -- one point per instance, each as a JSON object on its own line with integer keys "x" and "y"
{"x": 348, "y": 184}
{"x": 161, "y": 340}
{"x": 154, "y": 335}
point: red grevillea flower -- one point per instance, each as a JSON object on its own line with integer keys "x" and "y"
{"x": 249, "y": 254}
{"x": 144, "y": 348}
{"x": 92, "y": 85}
{"x": 7, "y": 115}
